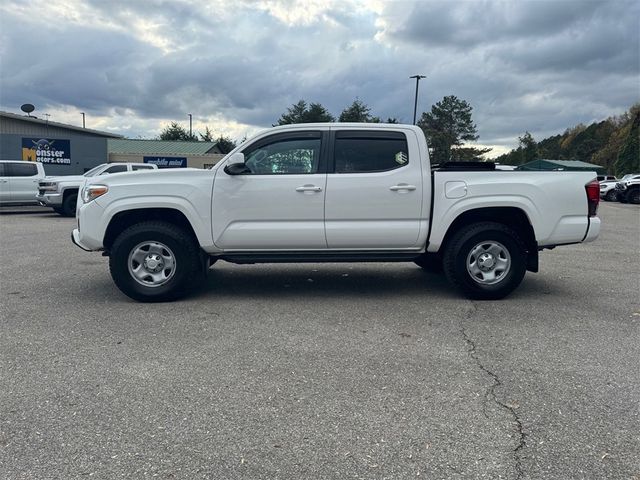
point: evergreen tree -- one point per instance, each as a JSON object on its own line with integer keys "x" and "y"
{"x": 302, "y": 113}
{"x": 358, "y": 112}
{"x": 225, "y": 144}
{"x": 447, "y": 125}
{"x": 175, "y": 131}
{"x": 528, "y": 148}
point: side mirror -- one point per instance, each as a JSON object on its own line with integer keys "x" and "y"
{"x": 237, "y": 169}
{"x": 236, "y": 166}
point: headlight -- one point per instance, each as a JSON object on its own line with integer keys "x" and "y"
{"x": 93, "y": 191}
{"x": 48, "y": 186}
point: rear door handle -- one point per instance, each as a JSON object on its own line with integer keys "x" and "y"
{"x": 402, "y": 186}
{"x": 308, "y": 188}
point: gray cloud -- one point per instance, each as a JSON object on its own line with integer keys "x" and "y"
{"x": 531, "y": 65}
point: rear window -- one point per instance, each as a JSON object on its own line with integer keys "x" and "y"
{"x": 21, "y": 169}
{"x": 362, "y": 152}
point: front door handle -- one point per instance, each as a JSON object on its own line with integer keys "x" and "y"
{"x": 402, "y": 186}
{"x": 308, "y": 188}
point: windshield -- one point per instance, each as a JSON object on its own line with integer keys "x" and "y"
{"x": 93, "y": 171}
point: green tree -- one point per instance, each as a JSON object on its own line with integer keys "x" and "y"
{"x": 175, "y": 131}
{"x": 448, "y": 124}
{"x": 392, "y": 120}
{"x": 358, "y": 112}
{"x": 528, "y": 148}
{"x": 468, "y": 154}
{"x": 628, "y": 160}
{"x": 302, "y": 113}
{"x": 225, "y": 143}
{"x": 207, "y": 136}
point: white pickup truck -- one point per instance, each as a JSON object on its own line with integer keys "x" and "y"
{"x": 61, "y": 193}
{"x": 330, "y": 193}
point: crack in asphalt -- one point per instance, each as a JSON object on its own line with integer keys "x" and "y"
{"x": 491, "y": 393}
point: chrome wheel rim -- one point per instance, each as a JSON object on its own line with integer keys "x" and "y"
{"x": 151, "y": 264}
{"x": 488, "y": 262}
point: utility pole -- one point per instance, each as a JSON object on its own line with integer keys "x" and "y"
{"x": 415, "y": 105}
{"x": 82, "y": 113}
{"x": 190, "y": 129}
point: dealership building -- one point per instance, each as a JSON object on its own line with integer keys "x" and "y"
{"x": 70, "y": 150}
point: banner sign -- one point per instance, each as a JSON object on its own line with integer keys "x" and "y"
{"x": 167, "y": 162}
{"x": 46, "y": 150}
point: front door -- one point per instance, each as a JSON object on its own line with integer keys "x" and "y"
{"x": 374, "y": 191}
{"x": 279, "y": 203}
{"x": 5, "y": 188}
{"x": 23, "y": 181}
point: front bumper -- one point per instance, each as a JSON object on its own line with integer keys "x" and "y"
{"x": 75, "y": 238}
{"x": 50, "y": 199}
{"x": 90, "y": 232}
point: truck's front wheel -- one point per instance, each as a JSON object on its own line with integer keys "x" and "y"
{"x": 487, "y": 260}
{"x": 154, "y": 261}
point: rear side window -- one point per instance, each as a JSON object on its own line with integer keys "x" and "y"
{"x": 141, "y": 167}
{"x": 21, "y": 169}
{"x": 363, "y": 152}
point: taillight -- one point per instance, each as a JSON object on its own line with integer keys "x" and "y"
{"x": 593, "y": 197}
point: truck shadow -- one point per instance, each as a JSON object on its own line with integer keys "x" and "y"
{"x": 322, "y": 280}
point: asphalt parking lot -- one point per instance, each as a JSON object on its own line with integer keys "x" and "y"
{"x": 318, "y": 371}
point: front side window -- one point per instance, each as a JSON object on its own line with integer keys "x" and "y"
{"x": 22, "y": 169}
{"x": 115, "y": 169}
{"x": 284, "y": 156}
{"x": 357, "y": 153}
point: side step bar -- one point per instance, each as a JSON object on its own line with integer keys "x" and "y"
{"x": 316, "y": 257}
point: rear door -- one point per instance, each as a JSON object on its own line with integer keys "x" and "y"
{"x": 279, "y": 203}
{"x": 374, "y": 190}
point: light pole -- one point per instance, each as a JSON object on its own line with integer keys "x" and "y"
{"x": 415, "y": 105}
{"x": 82, "y": 113}
{"x": 190, "y": 130}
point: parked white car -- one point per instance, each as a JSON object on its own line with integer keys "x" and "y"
{"x": 19, "y": 182}
{"x": 61, "y": 193}
{"x": 333, "y": 192}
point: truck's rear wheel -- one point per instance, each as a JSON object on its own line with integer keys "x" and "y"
{"x": 486, "y": 261}
{"x": 155, "y": 261}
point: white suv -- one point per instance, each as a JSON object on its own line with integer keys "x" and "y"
{"x": 19, "y": 182}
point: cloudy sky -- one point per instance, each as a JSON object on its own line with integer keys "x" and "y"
{"x": 135, "y": 65}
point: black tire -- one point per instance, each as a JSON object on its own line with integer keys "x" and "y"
{"x": 187, "y": 268}
{"x": 633, "y": 196}
{"x": 69, "y": 205}
{"x": 622, "y": 196}
{"x": 611, "y": 196}
{"x": 476, "y": 237}
{"x": 430, "y": 262}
